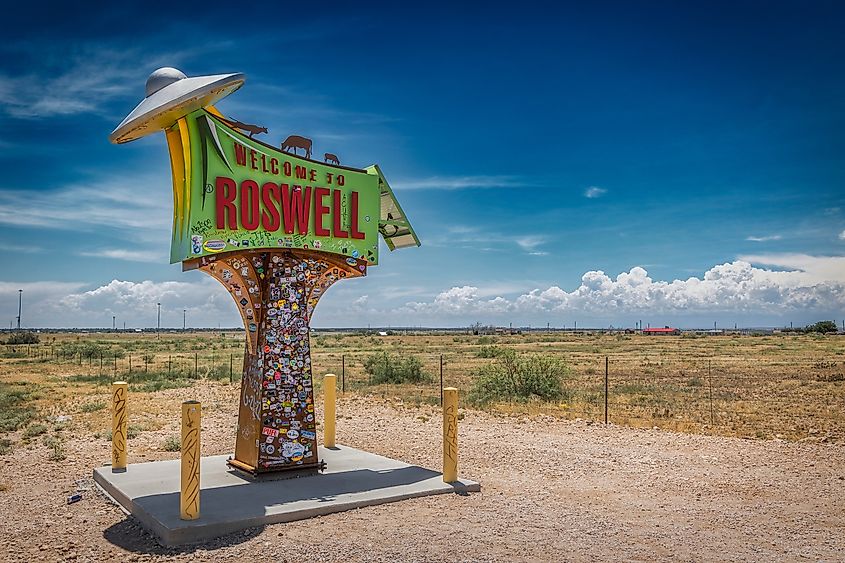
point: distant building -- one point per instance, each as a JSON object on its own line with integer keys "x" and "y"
{"x": 665, "y": 331}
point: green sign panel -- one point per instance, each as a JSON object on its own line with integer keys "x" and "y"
{"x": 232, "y": 192}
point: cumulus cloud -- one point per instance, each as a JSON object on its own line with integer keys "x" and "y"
{"x": 60, "y": 304}
{"x": 842, "y": 235}
{"x": 732, "y": 287}
{"x": 803, "y": 286}
{"x": 594, "y": 191}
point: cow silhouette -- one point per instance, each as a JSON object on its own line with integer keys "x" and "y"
{"x": 331, "y": 158}
{"x": 246, "y": 127}
{"x": 296, "y": 142}
{"x": 251, "y": 129}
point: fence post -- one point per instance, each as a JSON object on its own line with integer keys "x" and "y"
{"x": 130, "y": 364}
{"x": 196, "y": 364}
{"x": 450, "y": 435}
{"x": 710, "y": 386}
{"x": 169, "y": 359}
{"x": 329, "y": 409}
{"x": 231, "y": 363}
{"x": 118, "y": 425}
{"x": 115, "y": 363}
{"x": 189, "y": 492}
{"x": 343, "y": 373}
{"x": 605, "y": 387}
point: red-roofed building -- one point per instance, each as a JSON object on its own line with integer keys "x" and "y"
{"x": 666, "y": 331}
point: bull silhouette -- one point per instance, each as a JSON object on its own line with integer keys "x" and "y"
{"x": 296, "y": 142}
{"x": 331, "y": 158}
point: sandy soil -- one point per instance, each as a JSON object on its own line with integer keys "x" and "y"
{"x": 552, "y": 490}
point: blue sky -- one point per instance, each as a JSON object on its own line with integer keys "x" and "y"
{"x": 539, "y": 150}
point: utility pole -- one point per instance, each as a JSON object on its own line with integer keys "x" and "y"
{"x": 184, "y": 317}
{"x": 20, "y": 301}
{"x": 114, "y": 323}
{"x": 158, "y": 321}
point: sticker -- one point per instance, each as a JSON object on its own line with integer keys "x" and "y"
{"x": 308, "y": 434}
{"x": 196, "y": 244}
{"x": 293, "y": 434}
{"x": 215, "y": 245}
{"x": 292, "y": 450}
{"x": 269, "y": 431}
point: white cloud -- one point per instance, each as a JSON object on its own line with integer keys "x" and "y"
{"x": 136, "y": 203}
{"x": 84, "y": 83}
{"x": 594, "y": 191}
{"x": 809, "y": 269}
{"x": 206, "y": 301}
{"x": 529, "y": 242}
{"x": 458, "y": 182}
{"x": 814, "y": 283}
{"x": 763, "y": 239}
{"x": 806, "y": 287}
{"x": 130, "y": 255}
{"x": 842, "y": 235}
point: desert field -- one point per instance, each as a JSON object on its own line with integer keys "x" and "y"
{"x": 776, "y": 386}
{"x": 717, "y": 447}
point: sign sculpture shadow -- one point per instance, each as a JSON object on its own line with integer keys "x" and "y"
{"x": 276, "y": 229}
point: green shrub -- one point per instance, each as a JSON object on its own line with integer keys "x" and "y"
{"x": 821, "y": 327}
{"x": 514, "y": 377}
{"x": 387, "y": 368}
{"x": 5, "y": 446}
{"x": 15, "y": 410}
{"x": 57, "y": 448}
{"x": 93, "y": 406}
{"x": 488, "y": 352}
{"x": 23, "y": 338}
{"x": 173, "y": 443}
{"x": 34, "y": 430}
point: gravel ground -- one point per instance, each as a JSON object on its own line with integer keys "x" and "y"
{"x": 552, "y": 490}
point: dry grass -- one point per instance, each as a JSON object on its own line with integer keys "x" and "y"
{"x": 788, "y": 386}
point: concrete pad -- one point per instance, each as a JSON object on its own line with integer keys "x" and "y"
{"x": 230, "y": 501}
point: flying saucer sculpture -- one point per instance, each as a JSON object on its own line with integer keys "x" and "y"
{"x": 276, "y": 229}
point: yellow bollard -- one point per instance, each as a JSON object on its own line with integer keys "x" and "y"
{"x": 329, "y": 410}
{"x": 189, "y": 496}
{"x": 119, "y": 422}
{"x": 450, "y": 435}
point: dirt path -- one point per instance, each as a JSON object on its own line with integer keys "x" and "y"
{"x": 551, "y": 490}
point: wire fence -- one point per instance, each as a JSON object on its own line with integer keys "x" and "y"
{"x": 729, "y": 395}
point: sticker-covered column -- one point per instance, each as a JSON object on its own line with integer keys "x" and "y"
{"x": 276, "y": 293}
